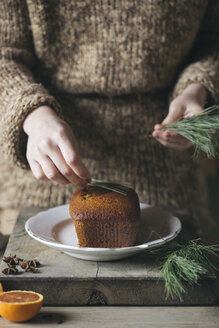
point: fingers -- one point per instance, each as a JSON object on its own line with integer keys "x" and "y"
{"x": 176, "y": 112}
{"x": 193, "y": 110}
{"x": 66, "y": 171}
{"x": 73, "y": 160}
{"x": 54, "y": 167}
{"x": 172, "y": 117}
{"x": 175, "y": 145}
{"x": 181, "y": 107}
{"x": 158, "y": 127}
{"x": 53, "y": 154}
{"x": 171, "y": 140}
{"x": 188, "y": 103}
{"x": 167, "y": 135}
{"x": 46, "y": 170}
{"x": 48, "y": 163}
{"x": 37, "y": 170}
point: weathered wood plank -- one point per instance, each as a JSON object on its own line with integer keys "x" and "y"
{"x": 54, "y": 264}
{"x": 123, "y": 317}
{"x": 64, "y": 280}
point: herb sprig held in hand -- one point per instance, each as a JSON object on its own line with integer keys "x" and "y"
{"x": 201, "y": 129}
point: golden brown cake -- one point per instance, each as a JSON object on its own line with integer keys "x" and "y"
{"x": 105, "y": 218}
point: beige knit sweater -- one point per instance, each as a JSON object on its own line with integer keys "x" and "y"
{"x": 107, "y": 67}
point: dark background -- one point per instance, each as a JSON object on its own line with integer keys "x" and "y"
{"x": 212, "y": 171}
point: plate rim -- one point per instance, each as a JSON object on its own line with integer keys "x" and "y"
{"x": 79, "y": 249}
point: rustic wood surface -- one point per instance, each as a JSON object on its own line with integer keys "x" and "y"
{"x": 122, "y": 317}
{"x": 64, "y": 280}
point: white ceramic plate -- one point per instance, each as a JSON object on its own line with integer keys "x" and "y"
{"x": 55, "y": 228}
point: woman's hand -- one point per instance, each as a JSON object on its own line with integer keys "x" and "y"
{"x": 52, "y": 150}
{"x": 190, "y": 102}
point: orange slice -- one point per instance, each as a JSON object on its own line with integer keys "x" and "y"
{"x": 20, "y": 305}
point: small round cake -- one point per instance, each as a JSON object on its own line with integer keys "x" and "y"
{"x": 105, "y": 218}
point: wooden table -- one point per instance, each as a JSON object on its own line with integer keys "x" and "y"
{"x": 103, "y": 316}
{"x": 64, "y": 280}
{"x": 122, "y": 317}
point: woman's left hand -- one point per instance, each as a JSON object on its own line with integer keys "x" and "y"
{"x": 190, "y": 102}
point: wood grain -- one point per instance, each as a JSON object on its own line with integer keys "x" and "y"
{"x": 64, "y": 280}
{"x": 123, "y": 317}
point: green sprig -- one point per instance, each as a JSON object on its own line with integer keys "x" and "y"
{"x": 184, "y": 264}
{"x": 201, "y": 130}
{"x": 110, "y": 185}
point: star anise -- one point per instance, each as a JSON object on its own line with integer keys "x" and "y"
{"x": 29, "y": 266}
{"x": 12, "y": 260}
{"x": 10, "y": 270}
{"x": 33, "y": 269}
{"x": 34, "y": 263}
{"x": 17, "y": 260}
{"x": 23, "y": 265}
{"x": 7, "y": 259}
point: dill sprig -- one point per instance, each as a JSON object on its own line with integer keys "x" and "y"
{"x": 201, "y": 130}
{"x": 184, "y": 264}
{"x": 110, "y": 185}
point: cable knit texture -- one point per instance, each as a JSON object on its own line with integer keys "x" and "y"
{"x": 108, "y": 68}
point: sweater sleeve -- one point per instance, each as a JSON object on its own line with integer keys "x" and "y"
{"x": 203, "y": 66}
{"x": 19, "y": 92}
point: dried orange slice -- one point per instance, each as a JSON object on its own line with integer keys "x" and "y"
{"x": 20, "y": 305}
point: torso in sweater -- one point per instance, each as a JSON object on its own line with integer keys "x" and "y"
{"x": 83, "y": 51}
{"x": 112, "y": 47}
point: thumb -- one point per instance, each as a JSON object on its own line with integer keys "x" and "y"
{"x": 168, "y": 120}
{"x": 175, "y": 114}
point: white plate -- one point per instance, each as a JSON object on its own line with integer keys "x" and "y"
{"x": 55, "y": 228}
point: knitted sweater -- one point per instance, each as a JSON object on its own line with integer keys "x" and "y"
{"x": 107, "y": 67}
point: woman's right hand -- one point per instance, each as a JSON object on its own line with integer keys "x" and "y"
{"x": 52, "y": 150}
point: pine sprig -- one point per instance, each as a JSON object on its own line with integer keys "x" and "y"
{"x": 184, "y": 264}
{"x": 111, "y": 186}
{"x": 201, "y": 130}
